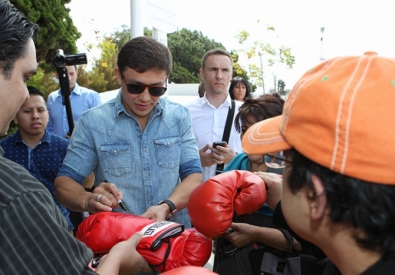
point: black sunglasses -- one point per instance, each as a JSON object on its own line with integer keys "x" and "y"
{"x": 136, "y": 89}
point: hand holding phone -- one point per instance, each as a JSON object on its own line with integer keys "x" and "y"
{"x": 219, "y": 143}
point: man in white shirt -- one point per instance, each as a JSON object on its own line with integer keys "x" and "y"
{"x": 209, "y": 113}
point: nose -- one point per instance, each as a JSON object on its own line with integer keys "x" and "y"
{"x": 35, "y": 114}
{"x": 145, "y": 95}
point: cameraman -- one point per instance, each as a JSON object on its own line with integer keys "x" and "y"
{"x": 81, "y": 100}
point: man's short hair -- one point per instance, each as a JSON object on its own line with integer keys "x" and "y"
{"x": 215, "y": 52}
{"x": 143, "y": 54}
{"x": 34, "y": 91}
{"x": 366, "y": 206}
{"x": 15, "y": 32}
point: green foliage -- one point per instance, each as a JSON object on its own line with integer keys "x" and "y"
{"x": 188, "y": 48}
{"x": 102, "y": 77}
{"x": 267, "y": 53}
{"x": 43, "y": 81}
{"x": 57, "y": 30}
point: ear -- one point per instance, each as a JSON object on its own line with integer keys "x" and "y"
{"x": 15, "y": 120}
{"x": 318, "y": 201}
{"x": 201, "y": 74}
{"x": 118, "y": 74}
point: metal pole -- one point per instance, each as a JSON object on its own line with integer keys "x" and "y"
{"x": 136, "y": 18}
{"x": 322, "y": 44}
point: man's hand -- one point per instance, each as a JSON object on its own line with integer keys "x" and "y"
{"x": 243, "y": 234}
{"x": 105, "y": 197}
{"x": 157, "y": 212}
{"x": 274, "y": 184}
{"x": 123, "y": 258}
{"x": 222, "y": 154}
{"x": 206, "y": 158}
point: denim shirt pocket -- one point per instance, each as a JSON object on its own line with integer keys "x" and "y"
{"x": 116, "y": 159}
{"x": 168, "y": 152}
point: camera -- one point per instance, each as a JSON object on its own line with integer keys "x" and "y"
{"x": 61, "y": 60}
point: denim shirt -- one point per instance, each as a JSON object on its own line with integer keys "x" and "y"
{"x": 145, "y": 166}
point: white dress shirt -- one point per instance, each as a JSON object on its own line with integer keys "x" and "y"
{"x": 208, "y": 124}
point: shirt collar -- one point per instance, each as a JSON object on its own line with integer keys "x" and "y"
{"x": 76, "y": 90}
{"x": 18, "y": 139}
{"x": 227, "y": 103}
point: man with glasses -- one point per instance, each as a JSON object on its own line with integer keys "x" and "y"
{"x": 140, "y": 146}
{"x": 339, "y": 181}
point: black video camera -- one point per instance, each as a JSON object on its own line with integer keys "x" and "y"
{"x": 60, "y": 60}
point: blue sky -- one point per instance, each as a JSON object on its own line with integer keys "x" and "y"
{"x": 351, "y": 26}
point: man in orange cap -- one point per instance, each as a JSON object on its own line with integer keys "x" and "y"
{"x": 339, "y": 181}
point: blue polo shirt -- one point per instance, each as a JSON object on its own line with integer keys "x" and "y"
{"x": 43, "y": 161}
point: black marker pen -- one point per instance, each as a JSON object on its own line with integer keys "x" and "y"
{"x": 120, "y": 202}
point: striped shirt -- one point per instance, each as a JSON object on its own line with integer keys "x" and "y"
{"x": 34, "y": 236}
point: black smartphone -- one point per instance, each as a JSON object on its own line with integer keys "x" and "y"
{"x": 219, "y": 143}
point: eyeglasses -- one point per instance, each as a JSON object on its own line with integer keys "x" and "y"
{"x": 136, "y": 89}
{"x": 280, "y": 158}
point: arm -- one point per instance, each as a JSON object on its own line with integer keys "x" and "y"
{"x": 206, "y": 158}
{"x": 245, "y": 234}
{"x": 124, "y": 259}
{"x": 274, "y": 183}
{"x": 179, "y": 196}
{"x": 73, "y": 195}
{"x": 222, "y": 154}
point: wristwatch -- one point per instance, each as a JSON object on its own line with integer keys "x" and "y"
{"x": 172, "y": 207}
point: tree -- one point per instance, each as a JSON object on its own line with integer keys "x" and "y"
{"x": 188, "y": 48}
{"x": 57, "y": 30}
{"x": 271, "y": 54}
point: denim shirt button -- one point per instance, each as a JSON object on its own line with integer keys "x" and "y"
{"x": 146, "y": 176}
{"x": 115, "y": 151}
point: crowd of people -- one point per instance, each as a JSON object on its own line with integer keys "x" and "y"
{"x": 324, "y": 155}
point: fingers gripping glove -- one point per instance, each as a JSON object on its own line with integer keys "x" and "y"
{"x": 165, "y": 245}
{"x": 190, "y": 270}
{"x": 212, "y": 204}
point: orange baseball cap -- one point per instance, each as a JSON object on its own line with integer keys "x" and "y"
{"x": 339, "y": 115}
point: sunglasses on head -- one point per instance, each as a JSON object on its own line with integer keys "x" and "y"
{"x": 136, "y": 89}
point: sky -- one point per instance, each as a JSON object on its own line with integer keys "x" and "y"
{"x": 352, "y": 27}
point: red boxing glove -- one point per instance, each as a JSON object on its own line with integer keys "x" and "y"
{"x": 190, "y": 270}
{"x": 165, "y": 245}
{"x": 212, "y": 204}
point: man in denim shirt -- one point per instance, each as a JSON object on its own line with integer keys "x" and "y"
{"x": 141, "y": 147}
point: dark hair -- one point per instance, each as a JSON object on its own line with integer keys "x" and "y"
{"x": 215, "y": 52}
{"x": 34, "y": 91}
{"x": 15, "y": 32}
{"x": 234, "y": 82}
{"x": 366, "y": 206}
{"x": 143, "y": 54}
{"x": 201, "y": 89}
{"x": 261, "y": 108}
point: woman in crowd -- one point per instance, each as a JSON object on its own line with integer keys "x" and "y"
{"x": 239, "y": 89}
